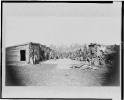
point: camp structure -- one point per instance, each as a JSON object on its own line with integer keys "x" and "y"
{"x": 28, "y": 53}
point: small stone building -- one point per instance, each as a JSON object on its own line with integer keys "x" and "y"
{"x": 23, "y": 53}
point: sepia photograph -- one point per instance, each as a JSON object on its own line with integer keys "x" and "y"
{"x": 62, "y": 44}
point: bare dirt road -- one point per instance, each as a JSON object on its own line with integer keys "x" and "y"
{"x": 55, "y": 73}
{"x": 63, "y": 63}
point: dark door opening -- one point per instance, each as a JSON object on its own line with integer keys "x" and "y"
{"x": 22, "y": 55}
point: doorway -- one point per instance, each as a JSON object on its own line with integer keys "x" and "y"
{"x": 23, "y": 55}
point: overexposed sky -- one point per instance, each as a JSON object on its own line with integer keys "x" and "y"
{"x": 63, "y": 24}
{"x": 63, "y": 30}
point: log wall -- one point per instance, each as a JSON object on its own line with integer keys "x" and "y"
{"x": 13, "y": 54}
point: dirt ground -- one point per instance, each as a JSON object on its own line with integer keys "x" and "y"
{"x": 55, "y": 73}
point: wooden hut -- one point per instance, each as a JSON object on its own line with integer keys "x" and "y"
{"x": 23, "y": 54}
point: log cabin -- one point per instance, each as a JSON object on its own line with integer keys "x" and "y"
{"x": 28, "y": 53}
